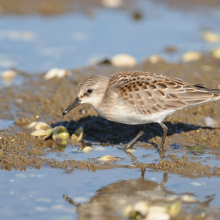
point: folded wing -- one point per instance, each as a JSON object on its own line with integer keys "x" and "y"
{"x": 148, "y": 93}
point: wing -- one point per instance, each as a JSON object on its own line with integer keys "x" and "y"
{"x": 148, "y": 93}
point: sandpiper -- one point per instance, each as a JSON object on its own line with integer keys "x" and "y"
{"x": 140, "y": 98}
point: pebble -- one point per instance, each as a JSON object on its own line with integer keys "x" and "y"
{"x": 56, "y": 73}
{"x": 216, "y": 53}
{"x": 191, "y": 56}
{"x": 210, "y": 37}
{"x": 124, "y": 60}
{"x": 107, "y": 158}
{"x": 8, "y": 74}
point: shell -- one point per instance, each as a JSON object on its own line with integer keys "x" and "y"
{"x": 141, "y": 207}
{"x": 78, "y": 134}
{"x": 175, "y": 209}
{"x": 42, "y": 125}
{"x": 124, "y": 60}
{"x": 38, "y": 125}
{"x": 8, "y": 74}
{"x": 125, "y": 212}
{"x": 187, "y": 198}
{"x": 191, "y": 56}
{"x": 108, "y": 158}
{"x": 39, "y": 133}
{"x": 31, "y": 125}
{"x": 49, "y": 133}
{"x": 210, "y": 37}
{"x": 87, "y": 149}
{"x": 56, "y": 73}
{"x": 60, "y": 135}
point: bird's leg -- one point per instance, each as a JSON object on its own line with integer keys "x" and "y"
{"x": 130, "y": 144}
{"x": 165, "y": 130}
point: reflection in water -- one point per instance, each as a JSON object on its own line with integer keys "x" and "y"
{"x": 109, "y": 201}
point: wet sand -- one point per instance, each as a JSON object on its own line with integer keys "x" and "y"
{"x": 41, "y": 100}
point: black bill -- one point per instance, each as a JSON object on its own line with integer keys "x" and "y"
{"x": 75, "y": 103}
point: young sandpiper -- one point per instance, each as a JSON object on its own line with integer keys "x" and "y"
{"x": 140, "y": 98}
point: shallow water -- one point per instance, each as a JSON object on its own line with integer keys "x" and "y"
{"x": 35, "y": 44}
{"x": 37, "y": 194}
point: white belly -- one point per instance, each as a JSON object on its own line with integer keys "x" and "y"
{"x": 119, "y": 114}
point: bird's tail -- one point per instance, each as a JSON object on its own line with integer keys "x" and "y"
{"x": 201, "y": 87}
{"x": 216, "y": 93}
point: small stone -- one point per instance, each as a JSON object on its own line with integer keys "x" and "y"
{"x": 108, "y": 158}
{"x": 210, "y": 37}
{"x": 78, "y": 134}
{"x": 39, "y": 133}
{"x": 124, "y": 60}
{"x": 191, "y": 56}
{"x": 8, "y": 74}
{"x": 216, "y": 53}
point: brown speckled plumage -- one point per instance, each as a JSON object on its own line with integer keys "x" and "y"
{"x": 149, "y": 93}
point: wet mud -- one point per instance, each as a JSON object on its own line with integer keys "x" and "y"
{"x": 38, "y": 99}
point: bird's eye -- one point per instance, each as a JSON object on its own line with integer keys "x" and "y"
{"x": 89, "y": 90}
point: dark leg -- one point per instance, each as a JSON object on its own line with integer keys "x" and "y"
{"x": 135, "y": 139}
{"x": 165, "y": 129}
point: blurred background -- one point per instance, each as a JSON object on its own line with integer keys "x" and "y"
{"x": 36, "y": 36}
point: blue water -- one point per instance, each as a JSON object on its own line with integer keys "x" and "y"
{"x": 72, "y": 40}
